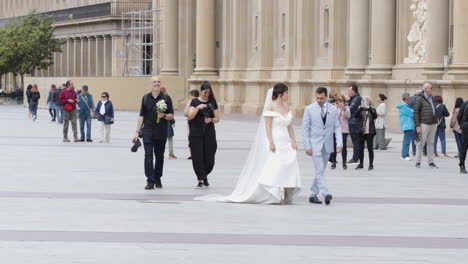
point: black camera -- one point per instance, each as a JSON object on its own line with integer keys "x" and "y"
{"x": 208, "y": 111}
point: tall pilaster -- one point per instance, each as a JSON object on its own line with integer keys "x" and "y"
{"x": 84, "y": 57}
{"x": 77, "y": 57}
{"x": 70, "y": 58}
{"x": 92, "y": 47}
{"x": 107, "y": 55}
{"x": 170, "y": 34}
{"x": 99, "y": 56}
{"x": 460, "y": 38}
{"x": 206, "y": 43}
{"x": 358, "y": 44}
{"x": 382, "y": 44}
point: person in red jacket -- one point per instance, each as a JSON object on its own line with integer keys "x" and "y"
{"x": 68, "y": 98}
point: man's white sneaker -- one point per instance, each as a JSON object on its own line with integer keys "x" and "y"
{"x": 408, "y": 159}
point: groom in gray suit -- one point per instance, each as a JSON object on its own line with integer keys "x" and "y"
{"x": 319, "y": 124}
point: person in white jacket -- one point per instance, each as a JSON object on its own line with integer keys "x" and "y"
{"x": 381, "y": 123}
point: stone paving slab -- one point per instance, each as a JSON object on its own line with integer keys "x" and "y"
{"x": 85, "y": 203}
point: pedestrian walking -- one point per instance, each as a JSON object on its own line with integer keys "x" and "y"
{"x": 58, "y": 104}
{"x": 35, "y": 96}
{"x": 319, "y": 124}
{"x": 203, "y": 116}
{"x": 28, "y": 99}
{"x": 51, "y": 102}
{"x": 155, "y": 112}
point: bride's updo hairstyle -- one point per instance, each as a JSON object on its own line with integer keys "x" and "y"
{"x": 279, "y": 89}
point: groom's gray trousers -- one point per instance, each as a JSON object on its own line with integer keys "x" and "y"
{"x": 320, "y": 164}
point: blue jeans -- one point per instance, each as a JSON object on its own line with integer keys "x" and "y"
{"x": 87, "y": 121}
{"x": 60, "y": 111}
{"x": 34, "y": 108}
{"x": 408, "y": 136}
{"x": 440, "y": 134}
{"x": 459, "y": 140}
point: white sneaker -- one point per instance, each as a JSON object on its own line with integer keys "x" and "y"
{"x": 408, "y": 159}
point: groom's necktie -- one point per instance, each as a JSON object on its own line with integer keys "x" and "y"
{"x": 323, "y": 114}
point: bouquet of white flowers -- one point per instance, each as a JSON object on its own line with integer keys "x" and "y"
{"x": 161, "y": 107}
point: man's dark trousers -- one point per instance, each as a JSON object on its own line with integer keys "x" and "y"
{"x": 156, "y": 147}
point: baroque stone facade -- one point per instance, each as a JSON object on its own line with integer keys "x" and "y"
{"x": 244, "y": 47}
{"x": 383, "y": 46}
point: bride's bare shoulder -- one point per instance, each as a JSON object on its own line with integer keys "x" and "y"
{"x": 271, "y": 107}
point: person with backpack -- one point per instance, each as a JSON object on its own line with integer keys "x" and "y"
{"x": 155, "y": 113}
{"x": 426, "y": 124}
{"x": 441, "y": 113}
{"x": 86, "y": 106}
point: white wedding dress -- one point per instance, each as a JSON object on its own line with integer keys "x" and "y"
{"x": 267, "y": 177}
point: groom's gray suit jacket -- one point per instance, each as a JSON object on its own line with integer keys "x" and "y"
{"x": 317, "y": 135}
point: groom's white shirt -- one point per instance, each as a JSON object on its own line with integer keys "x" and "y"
{"x": 316, "y": 135}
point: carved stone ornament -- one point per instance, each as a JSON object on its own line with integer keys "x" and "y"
{"x": 416, "y": 36}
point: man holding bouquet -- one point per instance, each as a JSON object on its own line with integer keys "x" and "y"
{"x": 155, "y": 113}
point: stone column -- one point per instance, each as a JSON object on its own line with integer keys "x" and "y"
{"x": 99, "y": 56}
{"x": 77, "y": 57}
{"x": 382, "y": 50}
{"x": 70, "y": 58}
{"x": 206, "y": 46}
{"x": 460, "y": 35}
{"x": 107, "y": 55}
{"x": 92, "y": 56}
{"x": 84, "y": 57}
{"x": 170, "y": 38}
{"x": 358, "y": 44}
{"x": 437, "y": 29}
{"x": 57, "y": 64}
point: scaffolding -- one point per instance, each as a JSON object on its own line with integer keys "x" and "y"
{"x": 141, "y": 33}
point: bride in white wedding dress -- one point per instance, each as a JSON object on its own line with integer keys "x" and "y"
{"x": 271, "y": 172}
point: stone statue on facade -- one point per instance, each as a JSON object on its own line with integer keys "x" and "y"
{"x": 416, "y": 35}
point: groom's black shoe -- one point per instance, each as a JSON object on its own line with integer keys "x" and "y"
{"x": 149, "y": 186}
{"x": 328, "y": 199}
{"x": 206, "y": 183}
{"x": 314, "y": 200}
{"x": 158, "y": 183}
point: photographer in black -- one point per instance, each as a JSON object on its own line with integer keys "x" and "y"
{"x": 202, "y": 116}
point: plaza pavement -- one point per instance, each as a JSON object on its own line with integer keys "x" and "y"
{"x": 85, "y": 203}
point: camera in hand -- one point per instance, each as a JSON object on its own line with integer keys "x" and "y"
{"x": 208, "y": 111}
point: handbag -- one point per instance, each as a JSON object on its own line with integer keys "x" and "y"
{"x": 68, "y": 107}
{"x": 108, "y": 120}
